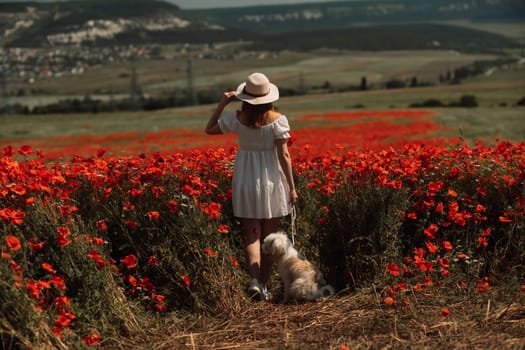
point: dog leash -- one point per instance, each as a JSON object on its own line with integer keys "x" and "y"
{"x": 293, "y": 216}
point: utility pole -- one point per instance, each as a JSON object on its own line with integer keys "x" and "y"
{"x": 192, "y": 95}
{"x": 111, "y": 100}
{"x": 301, "y": 83}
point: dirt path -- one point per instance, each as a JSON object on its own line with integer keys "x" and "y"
{"x": 351, "y": 321}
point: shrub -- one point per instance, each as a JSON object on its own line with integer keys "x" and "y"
{"x": 465, "y": 101}
{"x": 432, "y": 102}
{"x": 395, "y": 84}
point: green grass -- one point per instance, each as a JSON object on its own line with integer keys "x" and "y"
{"x": 514, "y": 30}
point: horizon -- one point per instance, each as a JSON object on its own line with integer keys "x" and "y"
{"x": 205, "y": 4}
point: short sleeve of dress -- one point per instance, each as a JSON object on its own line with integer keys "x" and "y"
{"x": 228, "y": 122}
{"x": 282, "y": 128}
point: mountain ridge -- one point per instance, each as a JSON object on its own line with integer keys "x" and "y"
{"x": 139, "y": 22}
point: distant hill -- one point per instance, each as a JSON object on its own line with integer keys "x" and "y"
{"x": 340, "y": 14}
{"x": 360, "y": 25}
{"x": 388, "y": 37}
{"x": 103, "y": 22}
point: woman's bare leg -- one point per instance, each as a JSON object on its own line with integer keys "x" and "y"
{"x": 268, "y": 226}
{"x": 252, "y": 244}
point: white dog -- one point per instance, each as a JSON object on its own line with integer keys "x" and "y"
{"x": 302, "y": 280}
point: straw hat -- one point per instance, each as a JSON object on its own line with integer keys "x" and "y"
{"x": 257, "y": 90}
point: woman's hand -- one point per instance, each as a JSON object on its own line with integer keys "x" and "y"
{"x": 212, "y": 128}
{"x": 227, "y": 97}
{"x": 293, "y": 197}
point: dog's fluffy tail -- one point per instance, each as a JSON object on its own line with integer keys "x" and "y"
{"x": 325, "y": 291}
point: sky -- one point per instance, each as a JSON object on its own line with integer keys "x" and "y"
{"x": 201, "y": 4}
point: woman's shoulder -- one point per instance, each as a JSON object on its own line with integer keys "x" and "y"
{"x": 274, "y": 117}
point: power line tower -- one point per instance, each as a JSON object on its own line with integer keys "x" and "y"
{"x": 133, "y": 89}
{"x": 192, "y": 94}
{"x": 5, "y": 91}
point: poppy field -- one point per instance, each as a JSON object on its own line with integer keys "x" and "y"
{"x": 104, "y": 234}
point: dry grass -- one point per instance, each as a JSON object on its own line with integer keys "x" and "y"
{"x": 353, "y": 320}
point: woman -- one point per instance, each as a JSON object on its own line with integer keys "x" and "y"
{"x": 263, "y": 188}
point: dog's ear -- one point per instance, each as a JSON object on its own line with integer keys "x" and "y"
{"x": 279, "y": 246}
{"x": 276, "y": 247}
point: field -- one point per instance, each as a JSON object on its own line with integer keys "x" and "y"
{"x": 116, "y": 229}
{"x": 288, "y": 69}
{"x": 497, "y": 116}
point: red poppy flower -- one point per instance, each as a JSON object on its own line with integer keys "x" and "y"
{"x": 14, "y": 216}
{"x": 153, "y": 215}
{"x": 34, "y": 289}
{"x": 135, "y": 192}
{"x": 213, "y": 210}
{"x": 445, "y": 312}
{"x": 13, "y": 243}
{"x": 130, "y": 261}
{"x": 101, "y": 225}
{"x": 186, "y": 280}
{"x": 49, "y": 268}
{"x": 97, "y": 241}
{"x": 439, "y": 208}
{"x": 25, "y": 150}
{"x": 67, "y": 210}
{"x": 432, "y": 248}
{"x": 152, "y": 261}
{"x": 95, "y": 255}
{"x": 58, "y": 281}
{"x": 62, "y": 321}
{"x": 100, "y": 152}
{"x": 389, "y": 300}
{"x": 210, "y": 252}
{"x": 92, "y": 339}
{"x": 33, "y": 244}
{"x": 393, "y": 269}
{"x": 131, "y": 224}
{"x": 447, "y": 245}
{"x": 505, "y": 219}
{"x": 483, "y": 242}
{"x": 412, "y": 216}
{"x": 173, "y": 206}
{"x": 57, "y": 331}
{"x": 443, "y": 262}
{"x": 8, "y": 151}
{"x": 234, "y": 261}
{"x": 128, "y": 206}
{"x": 483, "y": 285}
{"x": 431, "y": 231}
{"x": 62, "y": 301}
{"x": 223, "y": 228}
{"x": 62, "y": 240}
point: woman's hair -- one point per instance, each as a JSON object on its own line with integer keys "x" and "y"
{"x": 255, "y": 113}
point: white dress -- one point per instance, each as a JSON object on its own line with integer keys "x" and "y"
{"x": 259, "y": 186}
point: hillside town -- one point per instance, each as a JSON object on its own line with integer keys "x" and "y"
{"x": 29, "y": 64}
